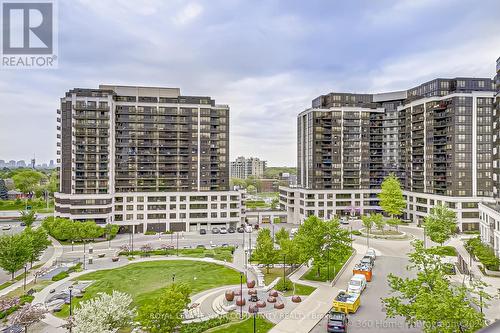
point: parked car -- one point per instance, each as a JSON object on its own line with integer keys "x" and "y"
{"x": 203, "y": 231}
{"x": 231, "y": 230}
{"x": 215, "y": 230}
{"x": 201, "y": 246}
{"x": 371, "y": 252}
{"x": 337, "y": 322}
{"x": 344, "y": 220}
{"x": 225, "y": 245}
{"x": 23, "y": 224}
{"x": 240, "y": 230}
{"x": 248, "y": 228}
{"x": 223, "y": 230}
{"x": 357, "y": 284}
{"x": 368, "y": 260}
{"x": 7, "y": 227}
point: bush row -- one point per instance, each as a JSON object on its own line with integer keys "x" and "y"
{"x": 199, "y": 327}
{"x": 484, "y": 253}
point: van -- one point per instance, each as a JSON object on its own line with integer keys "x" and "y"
{"x": 357, "y": 284}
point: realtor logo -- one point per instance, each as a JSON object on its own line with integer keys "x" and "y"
{"x": 28, "y": 34}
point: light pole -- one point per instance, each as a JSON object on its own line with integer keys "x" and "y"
{"x": 328, "y": 264}
{"x": 425, "y": 238}
{"x": 173, "y": 278}
{"x": 25, "y": 267}
{"x": 72, "y": 245}
{"x": 84, "y": 255}
{"x": 241, "y": 295}
{"x": 255, "y": 310}
{"x": 177, "y": 243}
{"x": 70, "y": 288}
{"x": 284, "y": 273}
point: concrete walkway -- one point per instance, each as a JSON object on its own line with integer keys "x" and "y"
{"x": 313, "y": 308}
{"x": 58, "y": 250}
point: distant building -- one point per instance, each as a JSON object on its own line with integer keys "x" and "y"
{"x": 51, "y": 164}
{"x": 14, "y": 195}
{"x": 3, "y": 190}
{"x": 21, "y": 164}
{"x": 11, "y": 164}
{"x": 245, "y": 167}
{"x": 268, "y": 185}
{"x": 289, "y": 178}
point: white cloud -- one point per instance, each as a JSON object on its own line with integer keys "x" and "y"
{"x": 187, "y": 14}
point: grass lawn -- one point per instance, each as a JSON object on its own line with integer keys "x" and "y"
{"x": 245, "y": 326}
{"x": 39, "y": 206}
{"x": 272, "y": 274}
{"x": 145, "y": 281}
{"x": 446, "y": 250}
{"x": 294, "y": 288}
{"x": 335, "y": 266}
{"x": 218, "y": 253}
{"x": 385, "y": 232}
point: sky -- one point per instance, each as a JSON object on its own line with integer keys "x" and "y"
{"x": 267, "y": 59}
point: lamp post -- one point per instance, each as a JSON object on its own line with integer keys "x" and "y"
{"x": 328, "y": 264}
{"x": 70, "y": 288}
{"x": 173, "y": 278}
{"x": 425, "y": 238}
{"x": 72, "y": 245}
{"x": 84, "y": 255}
{"x": 284, "y": 273}
{"x": 241, "y": 295}
{"x": 255, "y": 310}
{"x": 177, "y": 243}
{"x": 25, "y": 268}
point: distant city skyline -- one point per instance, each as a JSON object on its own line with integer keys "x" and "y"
{"x": 11, "y": 163}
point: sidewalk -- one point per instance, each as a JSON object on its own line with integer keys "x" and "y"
{"x": 493, "y": 289}
{"x": 315, "y": 306}
{"x": 58, "y": 250}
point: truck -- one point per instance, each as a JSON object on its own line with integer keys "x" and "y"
{"x": 346, "y": 302}
{"x": 364, "y": 269}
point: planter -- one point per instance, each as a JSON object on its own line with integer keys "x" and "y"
{"x": 252, "y": 292}
{"x": 261, "y": 304}
{"x": 271, "y": 299}
{"x": 296, "y": 299}
{"x": 279, "y": 305}
{"x": 273, "y": 293}
{"x": 229, "y": 295}
{"x": 251, "y": 284}
{"x": 240, "y": 301}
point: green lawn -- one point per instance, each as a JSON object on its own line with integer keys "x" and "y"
{"x": 245, "y": 326}
{"x": 218, "y": 253}
{"x": 294, "y": 288}
{"x": 272, "y": 274}
{"x": 38, "y": 205}
{"x": 335, "y": 266}
{"x": 145, "y": 281}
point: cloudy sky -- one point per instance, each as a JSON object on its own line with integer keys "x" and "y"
{"x": 266, "y": 59}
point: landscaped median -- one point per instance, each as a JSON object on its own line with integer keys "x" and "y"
{"x": 217, "y": 253}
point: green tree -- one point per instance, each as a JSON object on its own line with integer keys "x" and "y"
{"x": 164, "y": 315}
{"x": 368, "y": 224}
{"x": 38, "y": 241}
{"x": 431, "y": 299}
{"x": 264, "y": 252}
{"x": 311, "y": 240}
{"x": 337, "y": 242}
{"x": 111, "y": 230}
{"x": 281, "y": 235}
{"x": 251, "y": 189}
{"x": 15, "y": 252}
{"x": 28, "y": 217}
{"x": 53, "y": 184}
{"x": 27, "y": 180}
{"x": 275, "y": 203}
{"x": 241, "y": 183}
{"x": 391, "y": 196}
{"x": 440, "y": 224}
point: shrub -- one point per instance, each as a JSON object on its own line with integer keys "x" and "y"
{"x": 484, "y": 253}
{"x": 444, "y": 251}
{"x": 149, "y": 233}
{"x": 356, "y": 232}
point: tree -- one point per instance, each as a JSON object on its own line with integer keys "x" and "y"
{"x": 27, "y": 180}
{"x": 164, "y": 315}
{"x": 440, "y": 224}
{"x": 310, "y": 239}
{"x": 337, "y": 241}
{"x": 264, "y": 252}
{"x": 15, "y": 252}
{"x": 103, "y": 314}
{"x": 391, "y": 196}
{"x": 431, "y": 299}
{"x": 37, "y": 241}
{"x": 111, "y": 230}
{"x": 29, "y": 315}
{"x": 275, "y": 203}
{"x": 28, "y": 217}
{"x": 241, "y": 183}
{"x": 251, "y": 189}
{"x": 281, "y": 235}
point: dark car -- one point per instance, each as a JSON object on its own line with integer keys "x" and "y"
{"x": 215, "y": 230}
{"x": 240, "y": 230}
{"x": 23, "y": 224}
{"x": 337, "y": 322}
{"x": 231, "y": 230}
{"x": 203, "y": 231}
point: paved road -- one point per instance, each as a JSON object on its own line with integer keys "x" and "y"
{"x": 370, "y": 317}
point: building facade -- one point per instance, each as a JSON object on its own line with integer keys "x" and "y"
{"x": 145, "y": 158}
{"x": 436, "y": 138}
{"x": 247, "y": 167}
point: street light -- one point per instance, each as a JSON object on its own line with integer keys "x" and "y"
{"x": 70, "y": 288}
{"x": 241, "y": 295}
{"x": 284, "y": 272}
{"x": 173, "y": 278}
{"x": 177, "y": 243}
{"x": 25, "y": 267}
{"x": 255, "y": 310}
{"x": 328, "y": 264}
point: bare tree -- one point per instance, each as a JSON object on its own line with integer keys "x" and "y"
{"x": 29, "y": 314}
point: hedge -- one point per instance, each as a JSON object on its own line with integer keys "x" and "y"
{"x": 484, "y": 253}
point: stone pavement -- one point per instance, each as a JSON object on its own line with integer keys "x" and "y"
{"x": 313, "y": 308}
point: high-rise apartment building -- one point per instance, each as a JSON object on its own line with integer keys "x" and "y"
{"x": 245, "y": 167}
{"x": 145, "y": 158}
{"x": 490, "y": 212}
{"x": 436, "y": 137}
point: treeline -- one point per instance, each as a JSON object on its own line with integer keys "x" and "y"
{"x": 64, "y": 229}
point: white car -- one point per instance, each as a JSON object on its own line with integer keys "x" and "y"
{"x": 357, "y": 284}
{"x": 371, "y": 252}
{"x": 223, "y": 230}
{"x": 7, "y": 227}
{"x": 344, "y": 220}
